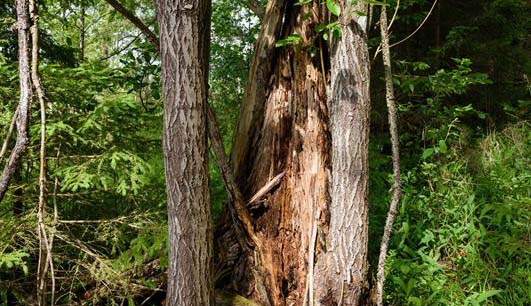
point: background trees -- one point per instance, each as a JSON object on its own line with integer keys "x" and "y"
{"x": 461, "y": 232}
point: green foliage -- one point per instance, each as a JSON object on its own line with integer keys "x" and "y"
{"x": 461, "y": 233}
{"x": 13, "y": 260}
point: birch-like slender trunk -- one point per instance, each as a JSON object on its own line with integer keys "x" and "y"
{"x": 393, "y": 129}
{"x": 45, "y": 262}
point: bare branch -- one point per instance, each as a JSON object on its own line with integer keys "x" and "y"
{"x": 393, "y": 129}
{"x": 137, "y": 22}
{"x": 256, "y": 8}
{"x": 236, "y": 199}
{"x": 8, "y": 137}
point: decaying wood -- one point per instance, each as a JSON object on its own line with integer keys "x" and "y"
{"x": 24, "y": 106}
{"x": 393, "y": 129}
{"x": 267, "y": 188}
{"x": 284, "y": 128}
{"x": 258, "y": 82}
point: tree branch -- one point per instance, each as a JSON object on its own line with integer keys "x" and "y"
{"x": 256, "y": 8}
{"x": 237, "y": 204}
{"x": 8, "y": 137}
{"x": 137, "y": 22}
{"x": 393, "y": 129}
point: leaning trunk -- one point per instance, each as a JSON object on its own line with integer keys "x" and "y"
{"x": 312, "y": 223}
{"x": 184, "y": 31}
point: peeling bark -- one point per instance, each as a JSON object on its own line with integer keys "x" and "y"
{"x": 313, "y": 225}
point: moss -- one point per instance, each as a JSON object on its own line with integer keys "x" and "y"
{"x": 224, "y": 298}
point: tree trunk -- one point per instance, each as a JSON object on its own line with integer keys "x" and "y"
{"x": 184, "y": 34}
{"x": 82, "y": 33}
{"x": 342, "y": 271}
{"x": 24, "y": 106}
{"x": 313, "y": 224}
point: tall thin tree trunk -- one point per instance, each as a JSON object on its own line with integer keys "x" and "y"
{"x": 393, "y": 128}
{"x": 184, "y": 40}
{"x": 45, "y": 259}
{"x": 24, "y": 107}
{"x": 82, "y": 33}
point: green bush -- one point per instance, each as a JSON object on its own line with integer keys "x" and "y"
{"x": 462, "y": 234}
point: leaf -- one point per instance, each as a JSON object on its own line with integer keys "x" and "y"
{"x": 333, "y": 7}
{"x": 291, "y": 39}
{"x": 442, "y": 146}
{"x": 427, "y": 153}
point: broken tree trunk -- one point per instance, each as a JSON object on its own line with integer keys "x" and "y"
{"x": 313, "y": 224}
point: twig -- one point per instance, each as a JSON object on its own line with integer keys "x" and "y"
{"x": 8, "y": 136}
{"x": 393, "y": 129}
{"x": 394, "y": 16}
{"x": 137, "y": 22}
{"x": 264, "y": 190}
{"x": 410, "y": 35}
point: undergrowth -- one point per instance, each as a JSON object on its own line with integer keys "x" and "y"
{"x": 462, "y": 236}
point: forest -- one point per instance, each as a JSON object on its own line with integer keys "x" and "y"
{"x": 265, "y": 152}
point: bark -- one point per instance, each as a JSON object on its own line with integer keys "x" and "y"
{"x": 137, "y": 22}
{"x": 393, "y": 129}
{"x": 312, "y": 225}
{"x": 342, "y": 271}
{"x": 184, "y": 32}
{"x": 24, "y": 107}
{"x": 256, "y": 8}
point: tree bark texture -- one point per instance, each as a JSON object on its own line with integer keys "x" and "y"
{"x": 342, "y": 271}
{"x": 313, "y": 224}
{"x": 184, "y": 34}
{"x": 24, "y": 107}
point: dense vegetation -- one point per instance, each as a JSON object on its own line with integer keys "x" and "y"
{"x": 462, "y": 235}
